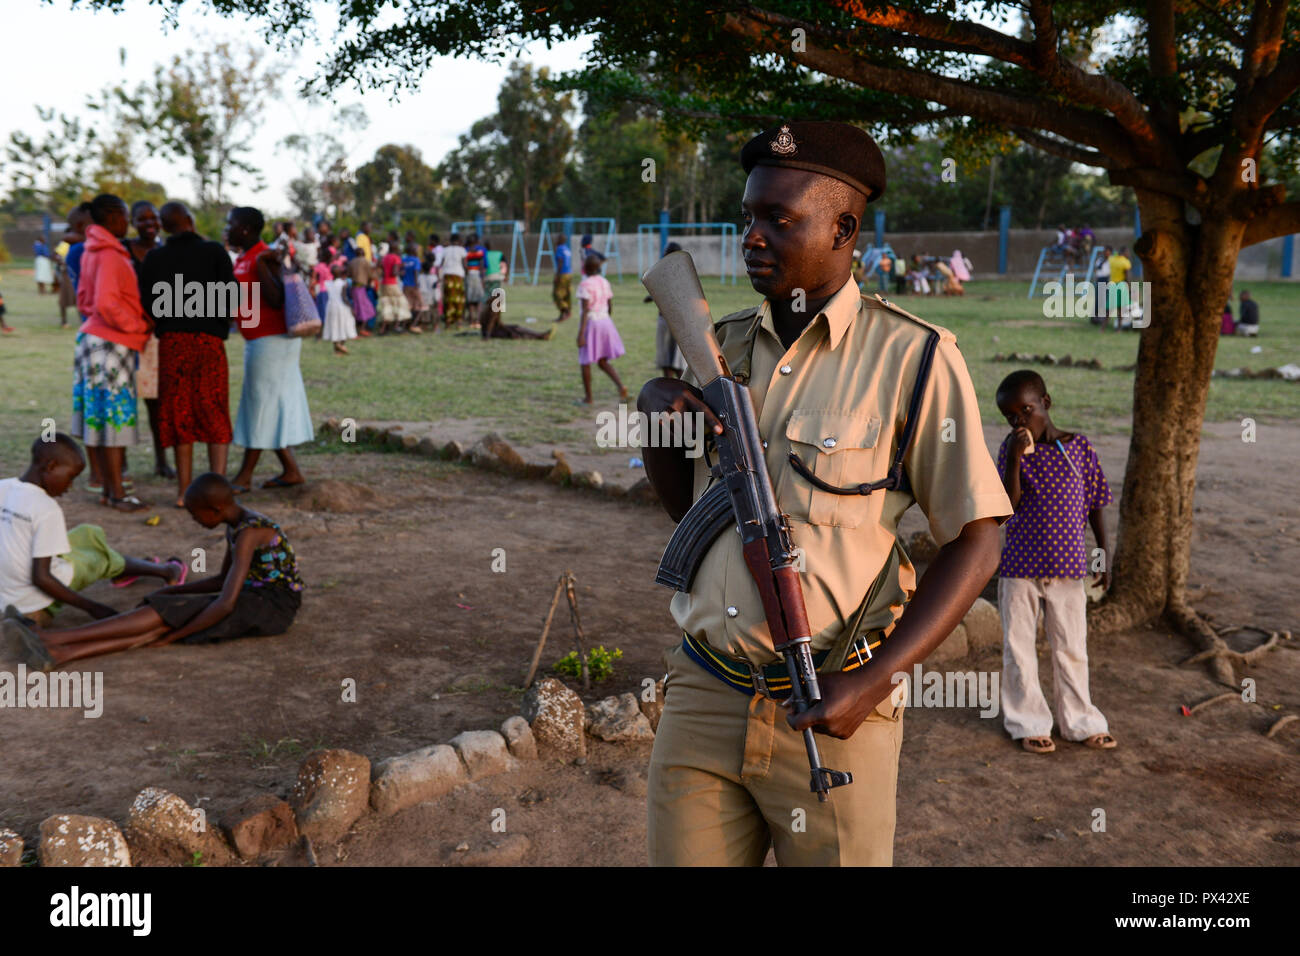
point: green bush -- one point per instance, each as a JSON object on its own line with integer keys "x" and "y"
{"x": 600, "y": 663}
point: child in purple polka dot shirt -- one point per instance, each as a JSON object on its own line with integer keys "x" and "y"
{"x": 1056, "y": 485}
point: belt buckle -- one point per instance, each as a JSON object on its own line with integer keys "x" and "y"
{"x": 758, "y": 679}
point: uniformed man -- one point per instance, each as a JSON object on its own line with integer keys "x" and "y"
{"x": 832, "y": 373}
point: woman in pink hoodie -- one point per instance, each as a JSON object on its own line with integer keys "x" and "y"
{"x": 104, "y": 390}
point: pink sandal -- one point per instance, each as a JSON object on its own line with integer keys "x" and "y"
{"x": 127, "y": 582}
{"x": 185, "y": 570}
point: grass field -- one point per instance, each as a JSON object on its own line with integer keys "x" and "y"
{"x": 530, "y": 386}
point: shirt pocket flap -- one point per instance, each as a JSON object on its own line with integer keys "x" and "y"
{"x": 832, "y": 431}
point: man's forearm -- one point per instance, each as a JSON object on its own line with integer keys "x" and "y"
{"x": 1098, "y": 523}
{"x": 56, "y": 590}
{"x": 1011, "y": 479}
{"x": 944, "y": 595}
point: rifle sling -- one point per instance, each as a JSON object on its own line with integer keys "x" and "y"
{"x": 895, "y": 480}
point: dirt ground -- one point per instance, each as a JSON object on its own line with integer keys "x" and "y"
{"x": 401, "y": 598}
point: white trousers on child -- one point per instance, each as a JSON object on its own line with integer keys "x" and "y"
{"x": 1024, "y": 708}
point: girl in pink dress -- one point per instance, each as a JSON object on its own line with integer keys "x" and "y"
{"x": 598, "y": 340}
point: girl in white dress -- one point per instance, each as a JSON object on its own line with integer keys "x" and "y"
{"x": 339, "y": 324}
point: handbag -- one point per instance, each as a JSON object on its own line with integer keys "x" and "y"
{"x": 301, "y": 318}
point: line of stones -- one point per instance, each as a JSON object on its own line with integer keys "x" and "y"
{"x": 336, "y": 788}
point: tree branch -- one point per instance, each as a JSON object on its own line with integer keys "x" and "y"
{"x": 1162, "y": 38}
{"x": 1263, "y": 40}
{"x": 1281, "y": 220}
{"x": 995, "y": 106}
{"x": 1266, "y": 84}
{"x": 1088, "y": 157}
{"x": 1040, "y": 59}
{"x": 1186, "y": 185}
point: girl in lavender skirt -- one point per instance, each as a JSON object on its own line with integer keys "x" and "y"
{"x": 598, "y": 340}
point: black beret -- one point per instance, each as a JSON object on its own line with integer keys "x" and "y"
{"x": 838, "y": 150}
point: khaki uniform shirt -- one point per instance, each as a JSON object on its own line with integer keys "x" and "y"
{"x": 838, "y": 397}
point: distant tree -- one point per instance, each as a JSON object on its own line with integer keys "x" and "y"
{"x": 51, "y": 170}
{"x": 510, "y": 162}
{"x": 397, "y": 178}
{"x": 326, "y": 184}
{"x": 203, "y": 108}
{"x": 72, "y": 161}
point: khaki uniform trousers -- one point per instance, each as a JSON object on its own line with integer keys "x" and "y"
{"x": 729, "y": 778}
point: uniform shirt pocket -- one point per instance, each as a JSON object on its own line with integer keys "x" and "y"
{"x": 840, "y": 449}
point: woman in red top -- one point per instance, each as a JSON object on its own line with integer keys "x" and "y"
{"x": 116, "y": 329}
{"x": 393, "y": 307}
{"x": 273, "y": 410}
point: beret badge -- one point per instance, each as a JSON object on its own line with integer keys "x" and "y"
{"x": 784, "y": 144}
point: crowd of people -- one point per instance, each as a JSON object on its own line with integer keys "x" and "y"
{"x": 152, "y": 329}
{"x": 923, "y": 275}
{"x": 137, "y": 343}
{"x": 1073, "y": 243}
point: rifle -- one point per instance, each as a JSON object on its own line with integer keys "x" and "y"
{"x": 741, "y": 495}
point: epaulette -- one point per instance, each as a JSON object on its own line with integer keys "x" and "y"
{"x": 880, "y": 300}
{"x": 744, "y": 314}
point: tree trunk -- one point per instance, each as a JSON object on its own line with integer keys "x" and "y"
{"x": 1190, "y": 281}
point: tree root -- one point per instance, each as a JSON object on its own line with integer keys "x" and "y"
{"x": 1230, "y": 695}
{"x": 1279, "y": 724}
{"x": 1213, "y": 651}
{"x": 1220, "y": 658}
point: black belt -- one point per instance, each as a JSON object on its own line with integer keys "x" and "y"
{"x": 772, "y": 680}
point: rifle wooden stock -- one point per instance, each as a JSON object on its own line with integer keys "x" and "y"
{"x": 675, "y": 286}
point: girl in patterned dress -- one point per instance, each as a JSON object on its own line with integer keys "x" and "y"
{"x": 256, "y": 593}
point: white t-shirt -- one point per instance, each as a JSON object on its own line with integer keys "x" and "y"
{"x": 453, "y": 261}
{"x": 31, "y": 526}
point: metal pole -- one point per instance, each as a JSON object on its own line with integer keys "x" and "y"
{"x": 1137, "y": 234}
{"x": 880, "y": 229}
{"x": 1004, "y": 234}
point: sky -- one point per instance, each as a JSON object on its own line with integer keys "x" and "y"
{"x": 66, "y": 55}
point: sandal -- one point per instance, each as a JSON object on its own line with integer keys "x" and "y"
{"x": 279, "y": 482}
{"x": 124, "y": 582}
{"x": 185, "y": 571}
{"x": 1101, "y": 742}
{"x": 1038, "y": 745}
{"x": 129, "y": 504}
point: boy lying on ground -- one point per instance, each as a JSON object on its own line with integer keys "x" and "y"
{"x": 257, "y": 592}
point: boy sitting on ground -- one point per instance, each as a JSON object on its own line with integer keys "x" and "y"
{"x": 43, "y": 565}
{"x": 257, "y": 592}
